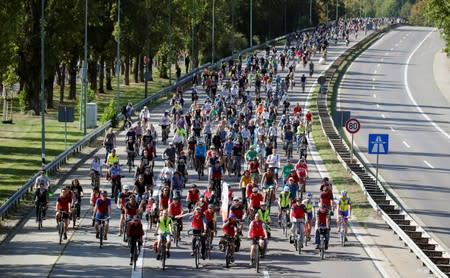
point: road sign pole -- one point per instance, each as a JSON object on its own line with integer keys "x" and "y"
{"x": 65, "y": 128}
{"x": 351, "y": 151}
{"x": 376, "y": 172}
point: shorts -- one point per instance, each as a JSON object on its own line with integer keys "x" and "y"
{"x": 166, "y": 235}
{"x": 64, "y": 214}
{"x": 343, "y": 213}
{"x": 210, "y": 226}
{"x": 309, "y": 216}
{"x": 100, "y": 215}
{"x": 267, "y": 185}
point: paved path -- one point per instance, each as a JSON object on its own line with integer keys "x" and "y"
{"x": 33, "y": 253}
{"x": 391, "y": 89}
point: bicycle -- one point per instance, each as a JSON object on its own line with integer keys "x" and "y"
{"x": 342, "y": 230}
{"x": 164, "y": 134}
{"x": 289, "y": 148}
{"x": 102, "y": 230}
{"x": 125, "y": 229}
{"x": 130, "y": 159}
{"x": 135, "y": 251}
{"x": 255, "y": 257}
{"x": 95, "y": 178}
{"x": 322, "y": 231}
{"x": 199, "y": 166}
{"x": 40, "y": 208}
{"x": 162, "y": 252}
{"x": 228, "y": 251}
{"x": 298, "y": 236}
{"x": 284, "y": 222}
{"x": 75, "y": 208}
{"x": 269, "y": 197}
{"x": 177, "y": 232}
{"x": 60, "y": 225}
{"x": 197, "y": 246}
{"x": 208, "y": 243}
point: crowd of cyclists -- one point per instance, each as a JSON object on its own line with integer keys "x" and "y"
{"x": 236, "y": 129}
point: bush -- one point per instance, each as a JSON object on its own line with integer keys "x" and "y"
{"x": 110, "y": 113}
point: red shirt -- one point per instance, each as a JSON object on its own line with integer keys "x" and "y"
{"x": 209, "y": 216}
{"x": 308, "y": 117}
{"x": 238, "y": 211}
{"x": 197, "y": 220}
{"x": 253, "y": 166}
{"x": 131, "y": 209}
{"x": 63, "y": 203}
{"x": 208, "y": 195}
{"x": 297, "y": 109}
{"x": 102, "y": 205}
{"x": 256, "y": 229}
{"x": 95, "y": 197}
{"x": 298, "y": 211}
{"x": 124, "y": 197}
{"x": 193, "y": 195}
{"x": 229, "y": 229}
{"x": 203, "y": 205}
{"x": 326, "y": 198}
{"x": 322, "y": 218}
{"x": 249, "y": 189}
{"x": 175, "y": 209}
{"x": 163, "y": 201}
{"x": 255, "y": 200}
{"x": 294, "y": 176}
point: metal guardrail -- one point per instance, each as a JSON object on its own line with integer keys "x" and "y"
{"x": 325, "y": 120}
{"x": 14, "y": 200}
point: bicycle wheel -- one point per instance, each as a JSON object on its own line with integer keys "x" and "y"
{"x": 135, "y": 254}
{"x": 176, "y": 234}
{"x": 227, "y": 256}
{"x": 197, "y": 253}
{"x": 61, "y": 231}
{"x": 163, "y": 256}
{"x": 257, "y": 258}
{"x": 39, "y": 217}
{"x": 299, "y": 244}
{"x": 74, "y": 217}
{"x": 101, "y": 235}
{"x": 322, "y": 249}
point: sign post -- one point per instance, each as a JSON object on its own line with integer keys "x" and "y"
{"x": 66, "y": 114}
{"x": 378, "y": 144}
{"x": 352, "y": 125}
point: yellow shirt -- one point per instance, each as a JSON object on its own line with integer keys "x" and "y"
{"x": 245, "y": 180}
{"x": 112, "y": 158}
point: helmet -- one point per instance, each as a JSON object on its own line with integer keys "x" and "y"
{"x": 286, "y": 189}
{"x": 344, "y": 193}
{"x": 210, "y": 206}
{"x": 126, "y": 187}
{"x": 263, "y": 204}
{"x": 236, "y": 199}
{"x": 309, "y": 195}
{"x": 255, "y": 189}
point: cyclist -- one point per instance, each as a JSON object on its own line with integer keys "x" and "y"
{"x": 258, "y": 234}
{"x": 302, "y": 172}
{"x": 265, "y": 217}
{"x": 344, "y": 205}
{"x": 268, "y": 180}
{"x": 237, "y": 209}
{"x": 284, "y": 204}
{"x": 102, "y": 211}
{"x": 164, "y": 229}
{"x": 198, "y": 227}
{"x": 237, "y": 156}
{"x": 255, "y": 199}
{"x": 308, "y": 203}
{"x": 287, "y": 170}
{"x": 322, "y": 221}
{"x": 96, "y": 170}
{"x": 63, "y": 209}
{"x": 115, "y": 174}
{"x": 131, "y": 209}
{"x": 41, "y": 200}
{"x": 164, "y": 198}
{"x": 175, "y": 211}
{"x": 298, "y": 212}
{"x": 245, "y": 180}
{"x": 77, "y": 190}
{"x": 230, "y": 230}
{"x": 200, "y": 155}
{"x": 211, "y": 221}
{"x": 303, "y": 81}
{"x": 135, "y": 233}
{"x": 193, "y": 196}
{"x": 251, "y": 154}
{"x": 109, "y": 142}
{"x": 227, "y": 153}
{"x": 144, "y": 115}
{"x": 308, "y": 119}
{"x": 112, "y": 158}
{"x": 326, "y": 197}
{"x": 170, "y": 153}
{"x": 273, "y": 162}
{"x": 202, "y": 203}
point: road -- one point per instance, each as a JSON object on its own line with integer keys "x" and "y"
{"x": 391, "y": 89}
{"x": 32, "y": 253}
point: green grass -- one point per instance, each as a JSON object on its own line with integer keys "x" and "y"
{"x": 20, "y": 142}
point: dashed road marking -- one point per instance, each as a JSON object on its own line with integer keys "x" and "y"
{"x": 406, "y": 144}
{"x": 375, "y": 72}
{"x": 428, "y": 164}
{"x": 392, "y": 128}
{"x": 266, "y": 274}
{"x": 373, "y": 87}
{"x": 378, "y": 106}
{"x": 374, "y": 95}
{"x": 382, "y": 115}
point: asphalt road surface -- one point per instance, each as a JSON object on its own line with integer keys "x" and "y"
{"x": 34, "y": 253}
{"x": 391, "y": 89}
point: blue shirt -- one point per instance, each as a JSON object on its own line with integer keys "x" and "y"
{"x": 115, "y": 171}
{"x": 200, "y": 151}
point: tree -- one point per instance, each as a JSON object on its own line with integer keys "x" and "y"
{"x": 438, "y": 12}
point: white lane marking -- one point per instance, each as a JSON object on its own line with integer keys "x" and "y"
{"x": 378, "y": 106}
{"x": 391, "y": 49}
{"x": 406, "y": 144}
{"x": 382, "y": 59}
{"x": 396, "y": 44}
{"x": 374, "y": 95}
{"x": 373, "y": 79}
{"x": 382, "y": 115}
{"x": 392, "y": 128}
{"x": 373, "y": 87}
{"x": 266, "y": 274}
{"x": 409, "y": 91}
{"x": 386, "y": 53}
{"x": 378, "y": 65}
{"x": 428, "y": 164}
{"x": 375, "y": 72}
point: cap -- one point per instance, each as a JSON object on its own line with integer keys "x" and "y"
{"x": 255, "y": 189}
{"x": 286, "y": 189}
{"x": 235, "y": 199}
{"x": 104, "y": 192}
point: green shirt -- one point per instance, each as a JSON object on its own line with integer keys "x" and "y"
{"x": 165, "y": 225}
{"x": 264, "y": 215}
{"x": 251, "y": 155}
{"x": 287, "y": 170}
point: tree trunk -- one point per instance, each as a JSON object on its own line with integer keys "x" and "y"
{"x": 101, "y": 78}
{"x": 61, "y": 81}
{"x": 72, "y": 70}
{"x": 137, "y": 63}
{"x": 150, "y": 66}
{"x": 141, "y": 68}
{"x": 109, "y": 67}
{"x": 92, "y": 73}
{"x": 49, "y": 81}
{"x": 127, "y": 70}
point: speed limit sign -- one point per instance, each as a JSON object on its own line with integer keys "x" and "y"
{"x": 352, "y": 125}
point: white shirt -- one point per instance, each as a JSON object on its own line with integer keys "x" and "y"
{"x": 273, "y": 160}
{"x": 96, "y": 165}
